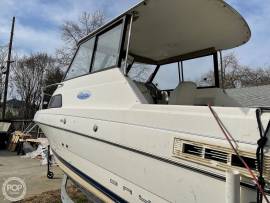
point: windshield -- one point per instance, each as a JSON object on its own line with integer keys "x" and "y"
{"x": 141, "y": 72}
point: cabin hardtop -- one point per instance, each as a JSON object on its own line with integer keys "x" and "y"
{"x": 168, "y": 31}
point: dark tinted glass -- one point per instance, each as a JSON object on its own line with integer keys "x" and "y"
{"x": 55, "y": 102}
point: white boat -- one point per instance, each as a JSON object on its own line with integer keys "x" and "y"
{"x": 135, "y": 119}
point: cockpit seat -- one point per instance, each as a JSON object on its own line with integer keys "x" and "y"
{"x": 215, "y": 97}
{"x": 184, "y": 94}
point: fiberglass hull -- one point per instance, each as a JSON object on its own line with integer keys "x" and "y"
{"x": 136, "y": 161}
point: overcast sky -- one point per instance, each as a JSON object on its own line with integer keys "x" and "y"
{"x": 38, "y": 22}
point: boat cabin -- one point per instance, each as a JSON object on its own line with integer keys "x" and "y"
{"x": 170, "y": 54}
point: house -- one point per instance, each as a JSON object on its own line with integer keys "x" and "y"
{"x": 13, "y": 109}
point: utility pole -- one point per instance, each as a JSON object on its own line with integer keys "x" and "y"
{"x": 8, "y": 67}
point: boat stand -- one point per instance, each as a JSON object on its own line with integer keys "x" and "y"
{"x": 50, "y": 174}
{"x": 64, "y": 196}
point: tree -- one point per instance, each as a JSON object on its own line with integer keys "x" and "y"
{"x": 53, "y": 76}
{"x": 231, "y": 71}
{"x": 236, "y": 75}
{"x": 28, "y": 77}
{"x": 73, "y": 31}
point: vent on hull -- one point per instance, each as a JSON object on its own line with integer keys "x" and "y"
{"x": 250, "y": 162}
{"x": 224, "y": 158}
{"x": 216, "y": 155}
{"x": 192, "y": 149}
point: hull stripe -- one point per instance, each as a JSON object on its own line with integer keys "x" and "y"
{"x": 203, "y": 172}
{"x": 91, "y": 181}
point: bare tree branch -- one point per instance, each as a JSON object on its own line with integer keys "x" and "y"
{"x": 28, "y": 76}
{"x": 73, "y": 31}
{"x": 237, "y": 75}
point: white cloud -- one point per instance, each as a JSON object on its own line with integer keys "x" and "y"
{"x": 39, "y": 40}
{"x": 28, "y": 39}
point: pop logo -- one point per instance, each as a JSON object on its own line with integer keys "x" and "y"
{"x": 14, "y": 189}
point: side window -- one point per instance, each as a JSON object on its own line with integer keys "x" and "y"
{"x": 55, "y": 102}
{"x": 167, "y": 77}
{"x": 108, "y": 47}
{"x": 81, "y": 63}
{"x": 200, "y": 71}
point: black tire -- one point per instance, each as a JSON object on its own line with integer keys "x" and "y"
{"x": 50, "y": 175}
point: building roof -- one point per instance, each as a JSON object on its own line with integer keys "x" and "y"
{"x": 257, "y": 96}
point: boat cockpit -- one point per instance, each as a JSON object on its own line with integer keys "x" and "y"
{"x": 190, "y": 82}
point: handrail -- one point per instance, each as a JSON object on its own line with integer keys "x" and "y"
{"x": 52, "y": 85}
{"x": 28, "y": 129}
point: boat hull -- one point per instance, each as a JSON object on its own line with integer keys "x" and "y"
{"x": 127, "y": 173}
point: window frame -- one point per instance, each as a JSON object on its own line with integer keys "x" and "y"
{"x": 181, "y": 70}
{"x": 124, "y": 21}
{"x": 216, "y": 71}
{"x": 160, "y": 67}
{"x": 73, "y": 58}
{"x": 117, "y": 23}
{"x": 151, "y": 76}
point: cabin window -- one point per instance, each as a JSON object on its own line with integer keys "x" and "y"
{"x": 81, "y": 62}
{"x": 200, "y": 71}
{"x": 108, "y": 48}
{"x": 55, "y": 102}
{"x": 167, "y": 77}
{"x": 141, "y": 72}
